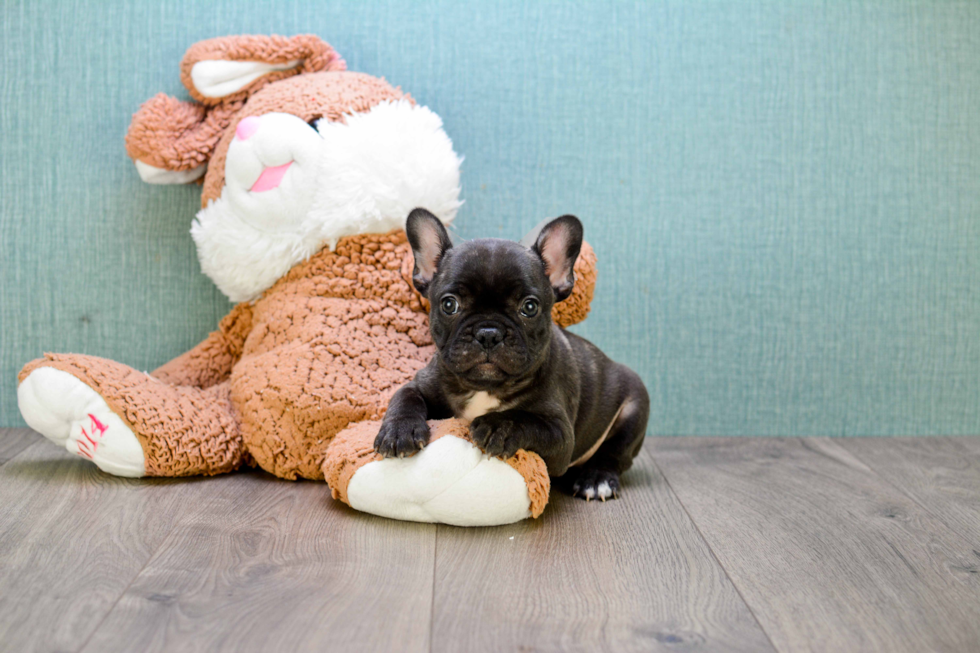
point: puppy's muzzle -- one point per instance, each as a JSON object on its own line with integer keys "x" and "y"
{"x": 489, "y": 336}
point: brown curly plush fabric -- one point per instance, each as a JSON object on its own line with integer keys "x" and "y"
{"x": 576, "y": 306}
{"x": 183, "y": 430}
{"x": 174, "y": 135}
{"x": 314, "y": 55}
{"x": 326, "y": 346}
{"x": 353, "y": 448}
{"x": 330, "y": 343}
{"x": 350, "y": 450}
{"x": 210, "y": 362}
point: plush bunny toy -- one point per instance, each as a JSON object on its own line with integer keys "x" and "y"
{"x": 309, "y": 172}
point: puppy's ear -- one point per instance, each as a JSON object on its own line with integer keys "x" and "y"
{"x": 558, "y": 242}
{"x": 430, "y": 241}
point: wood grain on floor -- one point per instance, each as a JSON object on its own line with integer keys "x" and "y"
{"x": 717, "y": 545}
{"x": 71, "y": 541}
{"x": 264, "y": 564}
{"x": 13, "y": 441}
{"x": 625, "y": 575}
{"x": 829, "y": 556}
{"x": 941, "y": 474}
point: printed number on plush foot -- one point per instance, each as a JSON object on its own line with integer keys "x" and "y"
{"x": 74, "y": 416}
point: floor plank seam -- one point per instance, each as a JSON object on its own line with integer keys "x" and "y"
{"x": 132, "y": 580}
{"x": 149, "y": 559}
{"x": 697, "y": 529}
{"x": 23, "y": 451}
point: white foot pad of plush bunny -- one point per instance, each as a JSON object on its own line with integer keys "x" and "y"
{"x": 450, "y": 481}
{"x": 72, "y": 415}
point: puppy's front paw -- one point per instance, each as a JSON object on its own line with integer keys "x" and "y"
{"x": 500, "y": 435}
{"x": 596, "y": 484}
{"x": 401, "y": 437}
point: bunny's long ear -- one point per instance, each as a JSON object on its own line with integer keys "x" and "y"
{"x": 171, "y": 141}
{"x": 233, "y": 67}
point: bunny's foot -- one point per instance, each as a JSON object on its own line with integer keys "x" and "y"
{"x": 72, "y": 415}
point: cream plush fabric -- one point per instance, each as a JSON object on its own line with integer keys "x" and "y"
{"x": 450, "y": 481}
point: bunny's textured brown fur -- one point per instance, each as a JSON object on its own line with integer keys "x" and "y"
{"x": 326, "y": 346}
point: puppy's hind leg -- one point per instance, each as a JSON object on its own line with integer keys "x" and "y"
{"x": 598, "y": 477}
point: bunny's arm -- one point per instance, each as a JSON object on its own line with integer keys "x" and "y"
{"x": 576, "y": 307}
{"x": 210, "y": 362}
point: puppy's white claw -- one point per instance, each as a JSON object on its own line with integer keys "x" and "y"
{"x": 604, "y": 490}
{"x": 589, "y": 494}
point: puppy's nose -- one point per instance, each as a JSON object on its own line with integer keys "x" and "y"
{"x": 489, "y": 336}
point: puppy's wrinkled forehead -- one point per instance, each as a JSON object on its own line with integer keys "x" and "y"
{"x": 492, "y": 268}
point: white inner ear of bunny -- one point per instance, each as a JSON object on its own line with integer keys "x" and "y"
{"x": 553, "y": 249}
{"x": 154, "y": 175}
{"x": 218, "y": 78}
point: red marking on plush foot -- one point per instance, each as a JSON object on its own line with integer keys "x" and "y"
{"x": 98, "y": 430}
{"x": 83, "y": 450}
{"x": 87, "y": 437}
{"x": 97, "y": 425}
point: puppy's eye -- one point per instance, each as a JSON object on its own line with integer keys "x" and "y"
{"x": 529, "y": 308}
{"x": 449, "y": 305}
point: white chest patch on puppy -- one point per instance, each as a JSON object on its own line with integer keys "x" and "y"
{"x": 479, "y": 403}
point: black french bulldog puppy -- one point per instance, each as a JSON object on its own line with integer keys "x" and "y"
{"x": 523, "y": 381}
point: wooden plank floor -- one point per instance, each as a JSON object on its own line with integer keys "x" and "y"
{"x": 737, "y": 544}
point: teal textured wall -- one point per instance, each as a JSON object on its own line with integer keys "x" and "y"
{"x": 784, "y": 196}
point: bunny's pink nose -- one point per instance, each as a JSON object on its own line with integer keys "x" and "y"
{"x": 246, "y": 128}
